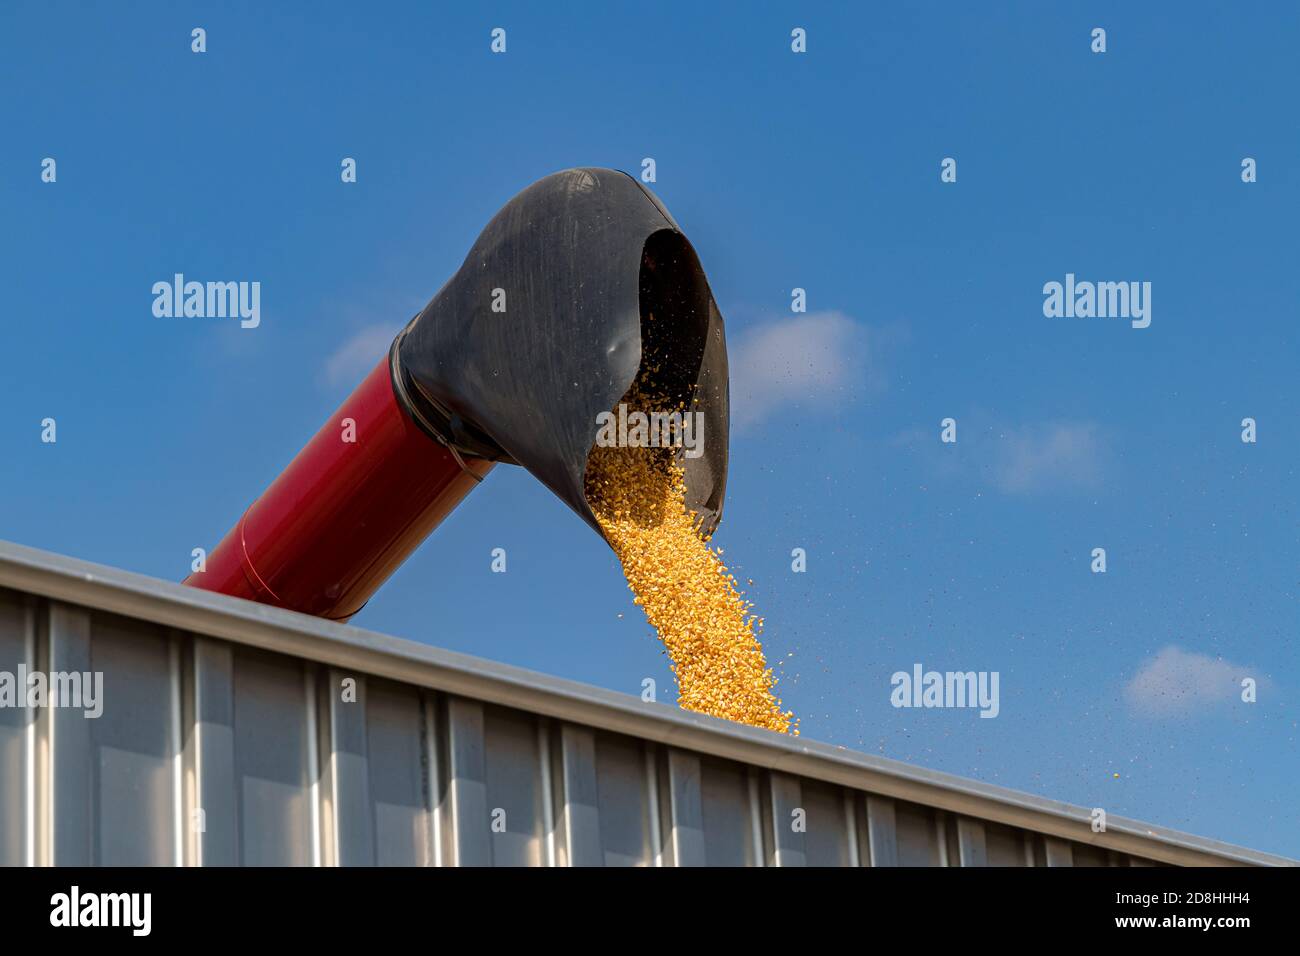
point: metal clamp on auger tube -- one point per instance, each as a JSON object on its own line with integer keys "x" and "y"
{"x": 575, "y": 285}
{"x": 441, "y": 425}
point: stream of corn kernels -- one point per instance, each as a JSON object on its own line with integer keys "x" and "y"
{"x": 638, "y": 496}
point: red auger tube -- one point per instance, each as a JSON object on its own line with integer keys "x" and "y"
{"x": 350, "y": 508}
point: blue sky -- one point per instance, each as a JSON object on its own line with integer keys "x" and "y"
{"x": 819, "y": 171}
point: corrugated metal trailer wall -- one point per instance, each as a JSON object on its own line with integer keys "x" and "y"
{"x": 232, "y": 733}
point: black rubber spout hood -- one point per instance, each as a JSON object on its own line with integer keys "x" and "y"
{"x": 573, "y": 285}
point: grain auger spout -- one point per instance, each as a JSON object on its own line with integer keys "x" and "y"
{"x": 579, "y": 283}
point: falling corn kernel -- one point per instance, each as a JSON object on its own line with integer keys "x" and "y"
{"x": 638, "y": 496}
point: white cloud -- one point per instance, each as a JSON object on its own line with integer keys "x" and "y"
{"x": 350, "y": 362}
{"x": 816, "y": 359}
{"x": 1016, "y": 460}
{"x": 1178, "y": 683}
{"x": 1046, "y": 457}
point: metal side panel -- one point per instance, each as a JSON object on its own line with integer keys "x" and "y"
{"x": 468, "y": 836}
{"x": 134, "y": 744}
{"x": 789, "y": 820}
{"x": 1006, "y": 846}
{"x": 550, "y": 757}
{"x": 17, "y": 733}
{"x": 624, "y": 800}
{"x": 1083, "y": 854}
{"x": 276, "y": 769}
{"x": 882, "y": 831}
{"x": 854, "y": 828}
{"x": 861, "y": 827}
{"x": 919, "y": 837}
{"x": 498, "y": 781}
{"x": 437, "y": 785}
{"x": 213, "y": 805}
{"x": 1057, "y": 852}
{"x": 580, "y": 814}
{"x": 346, "y": 808}
{"x": 71, "y": 803}
{"x": 971, "y": 842}
{"x": 685, "y": 809}
{"x": 727, "y": 825}
{"x": 400, "y": 823}
{"x": 827, "y": 827}
{"x": 513, "y": 764}
{"x": 657, "y": 804}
